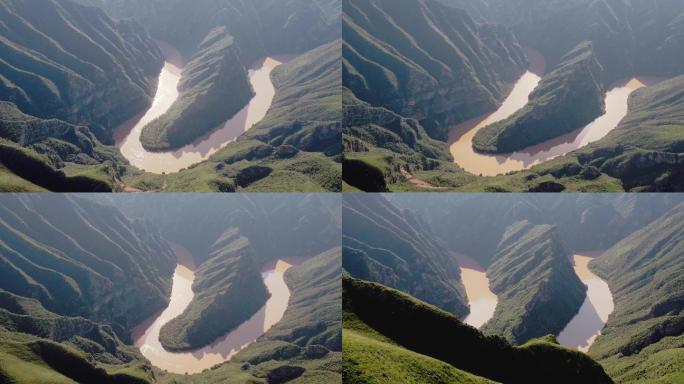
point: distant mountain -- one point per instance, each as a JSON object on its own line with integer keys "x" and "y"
{"x": 259, "y": 27}
{"x": 388, "y": 335}
{"x": 391, "y": 247}
{"x": 266, "y": 220}
{"x": 643, "y": 339}
{"x": 584, "y": 222}
{"x": 631, "y": 38}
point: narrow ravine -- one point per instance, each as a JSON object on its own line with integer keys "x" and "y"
{"x": 581, "y": 332}
{"x": 146, "y": 335}
{"x": 127, "y": 136}
{"x": 481, "y": 299}
{"x": 461, "y": 136}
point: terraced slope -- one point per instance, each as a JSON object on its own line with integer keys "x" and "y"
{"x": 379, "y": 326}
{"x": 392, "y": 247}
{"x": 213, "y": 88}
{"x": 644, "y": 338}
{"x": 228, "y": 290}
{"x": 568, "y": 98}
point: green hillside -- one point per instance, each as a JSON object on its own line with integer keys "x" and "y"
{"x": 95, "y": 72}
{"x": 76, "y": 277}
{"x": 406, "y": 67}
{"x": 379, "y": 327}
{"x": 68, "y": 76}
{"x": 65, "y": 61}
{"x": 643, "y": 340}
{"x": 83, "y": 259}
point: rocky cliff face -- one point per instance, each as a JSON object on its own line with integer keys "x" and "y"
{"x": 63, "y": 60}
{"x": 568, "y": 98}
{"x": 389, "y": 246}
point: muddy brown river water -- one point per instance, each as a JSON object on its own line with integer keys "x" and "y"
{"x": 127, "y": 136}
{"x": 481, "y": 299}
{"x": 146, "y": 335}
{"x": 581, "y": 332}
{"x": 461, "y": 136}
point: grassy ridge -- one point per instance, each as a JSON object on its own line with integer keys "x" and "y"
{"x": 390, "y": 317}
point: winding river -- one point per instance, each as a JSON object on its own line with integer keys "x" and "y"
{"x": 581, "y": 332}
{"x": 127, "y": 136}
{"x": 146, "y": 335}
{"x": 461, "y": 136}
{"x": 481, "y": 299}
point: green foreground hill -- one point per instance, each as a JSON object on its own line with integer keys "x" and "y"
{"x": 379, "y": 327}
